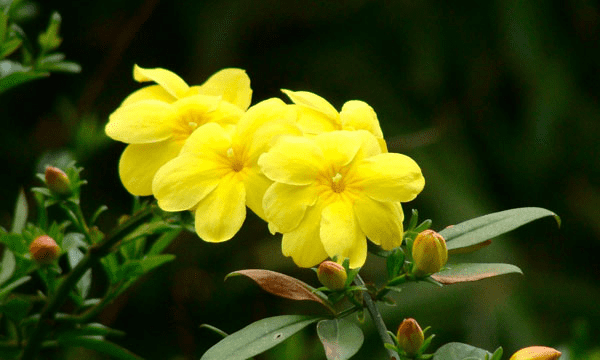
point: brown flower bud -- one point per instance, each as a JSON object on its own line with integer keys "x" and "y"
{"x": 44, "y": 249}
{"x": 536, "y": 353}
{"x": 332, "y": 275}
{"x": 429, "y": 252}
{"x": 410, "y": 336}
{"x": 57, "y": 181}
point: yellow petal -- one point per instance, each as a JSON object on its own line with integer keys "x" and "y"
{"x": 313, "y": 122}
{"x": 313, "y": 101}
{"x": 339, "y": 147}
{"x": 358, "y": 115}
{"x": 140, "y": 162}
{"x": 303, "y": 243}
{"x": 185, "y": 180}
{"x": 341, "y": 235}
{"x": 221, "y": 214}
{"x": 390, "y": 177}
{"x": 261, "y": 126}
{"x": 141, "y": 122}
{"x": 169, "y": 81}
{"x": 233, "y": 85}
{"x": 209, "y": 141}
{"x": 152, "y": 92}
{"x": 256, "y": 184}
{"x": 293, "y": 160}
{"x": 380, "y": 221}
{"x": 285, "y": 205}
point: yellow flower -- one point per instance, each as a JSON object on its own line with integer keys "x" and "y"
{"x": 316, "y": 115}
{"x": 216, "y": 174}
{"x": 334, "y": 188}
{"x": 156, "y": 120}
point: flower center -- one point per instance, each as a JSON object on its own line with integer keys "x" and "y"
{"x": 337, "y": 185}
{"x": 236, "y": 163}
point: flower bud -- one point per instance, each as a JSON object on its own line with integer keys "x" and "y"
{"x": 536, "y": 353}
{"x": 332, "y": 275}
{"x": 410, "y": 336}
{"x": 57, "y": 181}
{"x": 44, "y": 249}
{"x": 429, "y": 252}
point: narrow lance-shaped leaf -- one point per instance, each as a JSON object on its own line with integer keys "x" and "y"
{"x": 281, "y": 285}
{"x": 478, "y": 230}
{"x": 258, "y": 337}
{"x": 341, "y": 338}
{"x": 457, "y": 273}
{"x": 7, "y": 266}
{"x": 20, "y": 218}
{"x": 8, "y": 288}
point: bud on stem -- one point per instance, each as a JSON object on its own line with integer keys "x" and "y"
{"x": 44, "y": 249}
{"x": 429, "y": 253}
{"x": 536, "y": 353}
{"x": 57, "y": 181}
{"x": 332, "y": 275}
{"x": 410, "y": 336}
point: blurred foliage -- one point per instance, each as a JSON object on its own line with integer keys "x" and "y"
{"x": 497, "y": 101}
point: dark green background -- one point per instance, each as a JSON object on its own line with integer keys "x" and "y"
{"x": 496, "y": 100}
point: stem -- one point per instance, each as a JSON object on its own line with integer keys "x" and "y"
{"x": 347, "y": 312}
{"x": 94, "y": 254}
{"x": 377, "y": 319}
{"x": 76, "y": 215}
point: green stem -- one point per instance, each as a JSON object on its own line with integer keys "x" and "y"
{"x": 94, "y": 254}
{"x": 347, "y": 312}
{"x": 377, "y": 319}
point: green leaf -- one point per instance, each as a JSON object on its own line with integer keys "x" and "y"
{"x": 163, "y": 241}
{"x": 100, "y": 345}
{"x": 459, "y": 351}
{"x": 16, "y": 308}
{"x": 3, "y": 25}
{"x": 15, "y": 242}
{"x": 497, "y": 355}
{"x": 478, "y": 230}
{"x": 83, "y": 285}
{"x": 258, "y": 337}
{"x": 151, "y": 262}
{"x": 341, "y": 338}
{"x": 92, "y": 329}
{"x": 18, "y": 78}
{"x": 20, "y": 218}
{"x": 73, "y": 240}
{"x": 395, "y": 262}
{"x": 9, "y": 47}
{"x": 50, "y": 40}
{"x": 8, "y": 288}
{"x": 457, "y": 273}
{"x": 62, "y": 66}
{"x": 8, "y": 266}
{"x": 111, "y": 267}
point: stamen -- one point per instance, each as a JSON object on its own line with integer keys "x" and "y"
{"x": 336, "y": 183}
{"x": 230, "y": 153}
{"x": 193, "y": 125}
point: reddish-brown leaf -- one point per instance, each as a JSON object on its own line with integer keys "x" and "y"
{"x": 281, "y": 285}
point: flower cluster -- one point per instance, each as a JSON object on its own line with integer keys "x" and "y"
{"x": 322, "y": 178}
